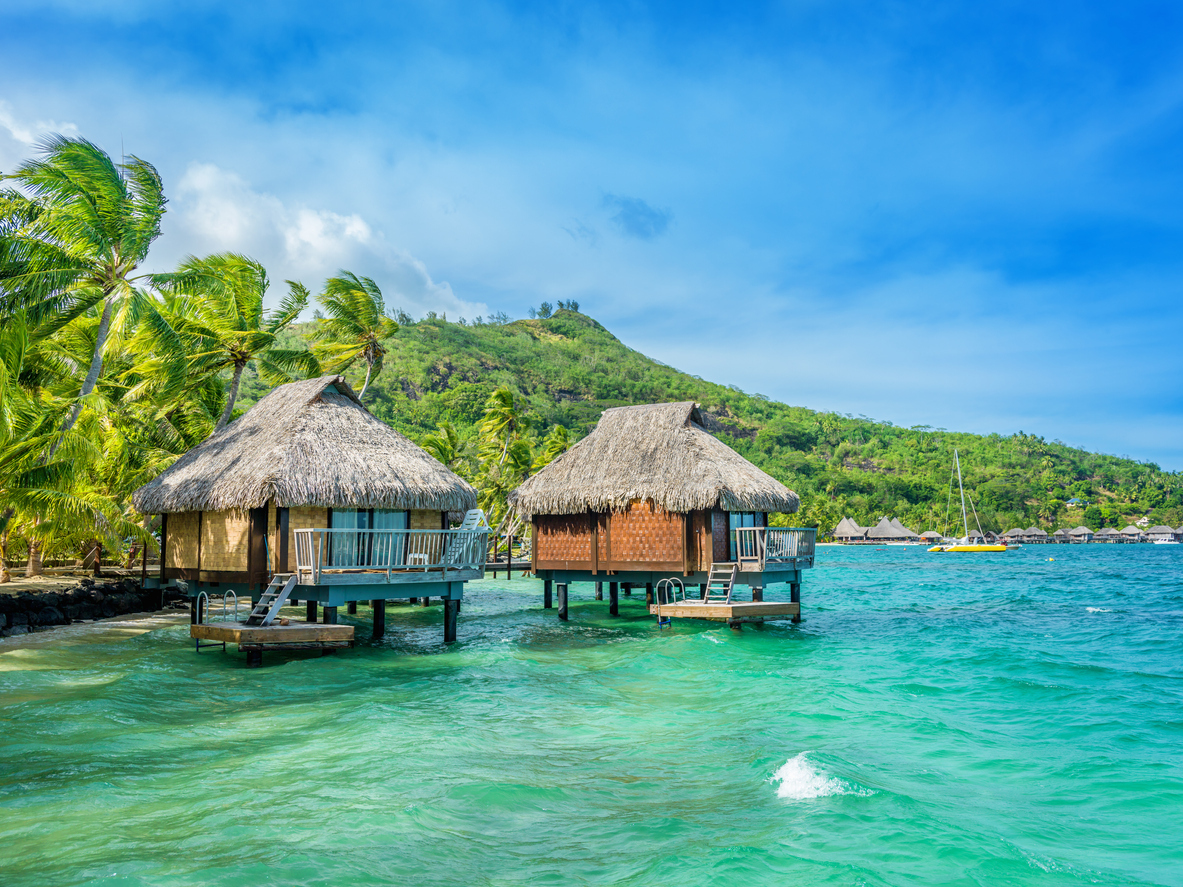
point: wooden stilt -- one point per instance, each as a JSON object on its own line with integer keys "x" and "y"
{"x": 195, "y": 609}
{"x": 649, "y": 594}
{"x": 702, "y": 592}
{"x": 613, "y": 599}
{"x": 599, "y": 591}
{"x": 563, "y": 601}
{"x": 310, "y": 613}
{"x": 451, "y": 611}
{"x": 330, "y": 615}
{"x": 546, "y": 594}
{"x": 379, "y": 618}
{"x": 757, "y": 593}
{"x": 413, "y": 600}
{"x": 352, "y": 608}
{"x": 628, "y": 588}
{"x": 795, "y": 597}
{"x": 254, "y": 658}
{"x": 426, "y": 601}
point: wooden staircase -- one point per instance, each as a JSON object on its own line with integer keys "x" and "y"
{"x": 273, "y": 597}
{"x": 721, "y": 583}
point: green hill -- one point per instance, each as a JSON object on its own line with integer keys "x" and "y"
{"x": 566, "y": 369}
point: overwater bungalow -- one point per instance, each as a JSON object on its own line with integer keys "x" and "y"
{"x": 848, "y": 531}
{"x": 309, "y": 497}
{"x": 1162, "y": 534}
{"x": 1133, "y": 534}
{"x": 930, "y": 537}
{"x": 1080, "y": 535}
{"x": 651, "y": 495}
{"x": 1061, "y": 536}
{"x": 1107, "y": 534}
{"x": 1035, "y": 536}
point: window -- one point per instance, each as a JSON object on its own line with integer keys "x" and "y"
{"x": 737, "y": 520}
{"x": 360, "y": 549}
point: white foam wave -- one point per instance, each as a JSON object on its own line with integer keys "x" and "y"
{"x": 1097, "y": 610}
{"x": 801, "y": 780}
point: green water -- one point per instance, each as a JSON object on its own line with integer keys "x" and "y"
{"x": 936, "y": 719}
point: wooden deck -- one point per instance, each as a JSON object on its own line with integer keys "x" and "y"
{"x": 738, "y": 611}
{"x": 292, "y": 636}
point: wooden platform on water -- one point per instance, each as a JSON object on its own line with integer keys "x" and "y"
{"x": 735, "y": 612}
{"x": 293, "y": 636}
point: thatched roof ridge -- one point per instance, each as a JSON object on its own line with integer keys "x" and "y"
{"x": 1036, "y": 531}
{"x": 1080, "y": 531}
{"x": 847, "y": 529}
{"x": 306, "y": 443}
{"x": 1160, "y": 529}
{"x": 656, "y": 453}
{"x": 1131, "y": 530}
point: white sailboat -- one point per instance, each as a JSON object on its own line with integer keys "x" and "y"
{"x": 964, "y": 544}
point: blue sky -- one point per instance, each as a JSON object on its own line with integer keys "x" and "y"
{"x": 960, "y": 215}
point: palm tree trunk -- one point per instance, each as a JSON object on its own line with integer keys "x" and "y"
{"x": 5, "y": 576}
{"x": 5, "y": 516}
{"x": 231, "y": 397}
{"x": 34, "y": 566}
{"x": 366, "y": 384}
{"x": 92, "y": 375}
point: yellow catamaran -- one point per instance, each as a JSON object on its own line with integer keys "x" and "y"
{"x": 964, "y": 544}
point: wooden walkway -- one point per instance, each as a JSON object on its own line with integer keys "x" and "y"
{"x": 733, "y": 613}
{"x": 254, "y": 639}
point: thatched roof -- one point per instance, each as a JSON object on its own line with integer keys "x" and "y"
{"x": 657, "y": 453}
{"x": 883, "y": 530}
{"x": 1160, "y": 530}
{"x": 1080, "y": 531}
{"x": 902, "y": 530}
{"x": 1036, "y": 531}
{"x": 306, "y": 443}
{"x": 1013, "y": 534}
{"x": 848, "y": 529}
{"x": 1107, "y": 531}
{"x": 1131, "y": 530}
{"x": 930, "y": 534}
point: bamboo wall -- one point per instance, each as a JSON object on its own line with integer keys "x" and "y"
{"x": 427, "y": 520}
{"x": 225, "y": 541}
{"x": 307, "y": 517}
{"x": 180, "y": 546}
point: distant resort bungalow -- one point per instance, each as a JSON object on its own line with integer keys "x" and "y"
{"x": 649, "y": 496}
{"x": 1162, "y": 534}
{"x": 309, "y": 497}
{"x": 1133, "y": 534}
{"x": 886, "y": 531}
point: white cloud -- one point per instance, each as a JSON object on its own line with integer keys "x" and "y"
{"x": 18, "y": 137}
{"x": 216, "y": 210}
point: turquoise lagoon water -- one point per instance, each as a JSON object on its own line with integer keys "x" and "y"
{"x": 936, "y": 719}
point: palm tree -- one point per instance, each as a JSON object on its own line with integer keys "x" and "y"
{"x": 212, "y": 315}
{"x": 355, "y": 326}
{"x": 555, "y": 444}
{"x": 445, "y": 445}
{"x": 75, "y": 242}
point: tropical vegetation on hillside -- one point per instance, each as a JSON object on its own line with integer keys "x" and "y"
{"x": 108, "y": 373}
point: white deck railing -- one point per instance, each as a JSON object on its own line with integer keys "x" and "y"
{"x": 761, "y": 548}
{"x": 336, "y": 552}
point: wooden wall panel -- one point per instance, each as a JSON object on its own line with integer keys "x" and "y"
{"x": 225, "y": 537}
{"x": 646, "y": 534}
{"x": 721, "y": 541}
{"x": 426, "y": 520}
{"x": 563, "y": 538}
{"x": 180, "y": 551}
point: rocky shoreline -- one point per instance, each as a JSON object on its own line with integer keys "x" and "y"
{"x": 90, "y": 599}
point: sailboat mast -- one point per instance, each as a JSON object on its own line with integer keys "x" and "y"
{"x": 961, "y": 487}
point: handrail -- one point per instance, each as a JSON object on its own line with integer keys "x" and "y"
{"x": 758, "y": 547}
{"x": 323, "y": 550}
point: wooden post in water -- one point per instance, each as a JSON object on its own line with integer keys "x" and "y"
{"x": 379, "y": 618}
{"x": 509, "y": 558}
{"x": 613, "y": 599}
{"x": 628, "y": 588}
{"x": 757, "y": 593}
{"x": 702, "y": 591}
{"x": 254, "y": 658}
{"x": 795, "y": 597}
{"x": 412, "y": 600}
{"x": 451, "y": 611}
{"x": 352, "y": 608}
{"x": 649, "y": 594}
{"x": 330, "y": 615}
{"x": 563, "y": 601}
{"x": 599, "y": 591}
{"x": 426, "y": 601}
{"x": 546, "y": 589}
{"x": 310, "y": 612}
